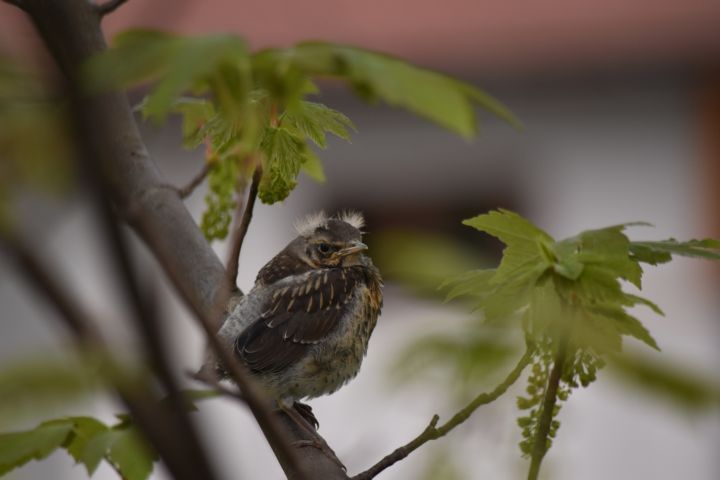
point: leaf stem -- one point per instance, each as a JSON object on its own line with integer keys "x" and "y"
{"x": 241, "y": 227}
{"x": 185, "y": 191}
{"x": 432, "y": 431}
{"x": 274, "y": 121}
{"x": 540, "y": 444}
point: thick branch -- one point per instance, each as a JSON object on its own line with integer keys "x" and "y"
{"x": 71, "y": 31}
{"x": 540, "y": 443}
{"x": 241, "y": 228}
{"x": 258, "y": 403}
{"x": 159, "y": 425}
{"x": 143, "y": 309}
{"x": 432, "y": 431}
{"x": 73, "y": 317}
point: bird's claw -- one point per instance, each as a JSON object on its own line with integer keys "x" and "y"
{"x": 306, "y": 412}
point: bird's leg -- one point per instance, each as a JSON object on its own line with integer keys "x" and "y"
{"x": 316, "y": 440}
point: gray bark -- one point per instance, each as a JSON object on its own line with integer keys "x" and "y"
{"x": 71, "y": 31}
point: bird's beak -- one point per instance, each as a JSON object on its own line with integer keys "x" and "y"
{"x": 354, "y": 247}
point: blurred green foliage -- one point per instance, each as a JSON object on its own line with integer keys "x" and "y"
{"x": 30, "y": 387}
{"x": 34, "y": 140}
{"x": 421, "y": 260}
{"x": 18, "y": 448}
{"x": 656, "y": 253}
{"x": 681, "y": 385}
{"x": 441, "y": 464}
{"x": 87, "y": 440}
{"x": 463, "y": 361}
{"x": 250, "y": 109}
{"x": 569, "y": 291}
{"x": 45, "y": 382}
{"x": 50, "y": 382}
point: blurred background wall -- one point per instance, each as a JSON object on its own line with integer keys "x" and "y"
{"x": 620, "y": 102}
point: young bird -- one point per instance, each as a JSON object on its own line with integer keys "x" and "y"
{"x": 303, "y": 329}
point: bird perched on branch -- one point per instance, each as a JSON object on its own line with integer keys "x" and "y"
{"x": 303, "y": 329}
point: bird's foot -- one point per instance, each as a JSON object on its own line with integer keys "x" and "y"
{"x": 321, "y": 445}
{"x": 306, "y": 412}
{"x": 303, "y": 417}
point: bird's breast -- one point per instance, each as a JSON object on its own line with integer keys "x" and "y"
{"x": 337, "y": 360}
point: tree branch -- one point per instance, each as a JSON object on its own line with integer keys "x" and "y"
{"x": 154, "y": 420}
{"x": 257, "y": 401}
{"x": 241, "y": 228}
{"x": 432, "y": 431}
{"x": 540, "y": 444}
{"x": 142, "y": 308}
{"x": 108, "y": 7}
{"x": 185, "y": 191}
{"x": 73, "y": 317}
{"x": 71, "y": 31}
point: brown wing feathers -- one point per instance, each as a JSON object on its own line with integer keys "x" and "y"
{"x": 296, "y": 317}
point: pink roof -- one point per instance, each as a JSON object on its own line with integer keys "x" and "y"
{"x": 455, "y": 34}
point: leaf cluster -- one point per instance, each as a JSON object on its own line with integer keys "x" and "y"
{"x": 569, "y": 292}
{"x": 29, "y": 386}
{"x": 551, "y": 284}
{"x": 668, "y": 379}
{"x": 87, "y": 440}
{"x": 250, "y": 110}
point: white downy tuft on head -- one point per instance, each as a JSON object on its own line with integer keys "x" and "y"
{"x": 307, "y": 225}
{"x": 352, "y": 217}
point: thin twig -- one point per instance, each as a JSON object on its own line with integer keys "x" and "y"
{"x": 540, "y": 443}
{"x": 108, "y": 7}
{"x": 212, "y": 382}
{"x": 185, "y": 191}
{"x": 432, "y": 431}
{"x": 235, "y": 244}
{"x": 241, "y": 228}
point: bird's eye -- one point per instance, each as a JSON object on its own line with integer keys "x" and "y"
{"x": 324, "y": 248}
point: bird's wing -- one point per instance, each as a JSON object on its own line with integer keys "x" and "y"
{"x": 297, "y": 316}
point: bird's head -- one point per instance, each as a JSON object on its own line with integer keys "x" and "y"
{"x": 330, "y": 241}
